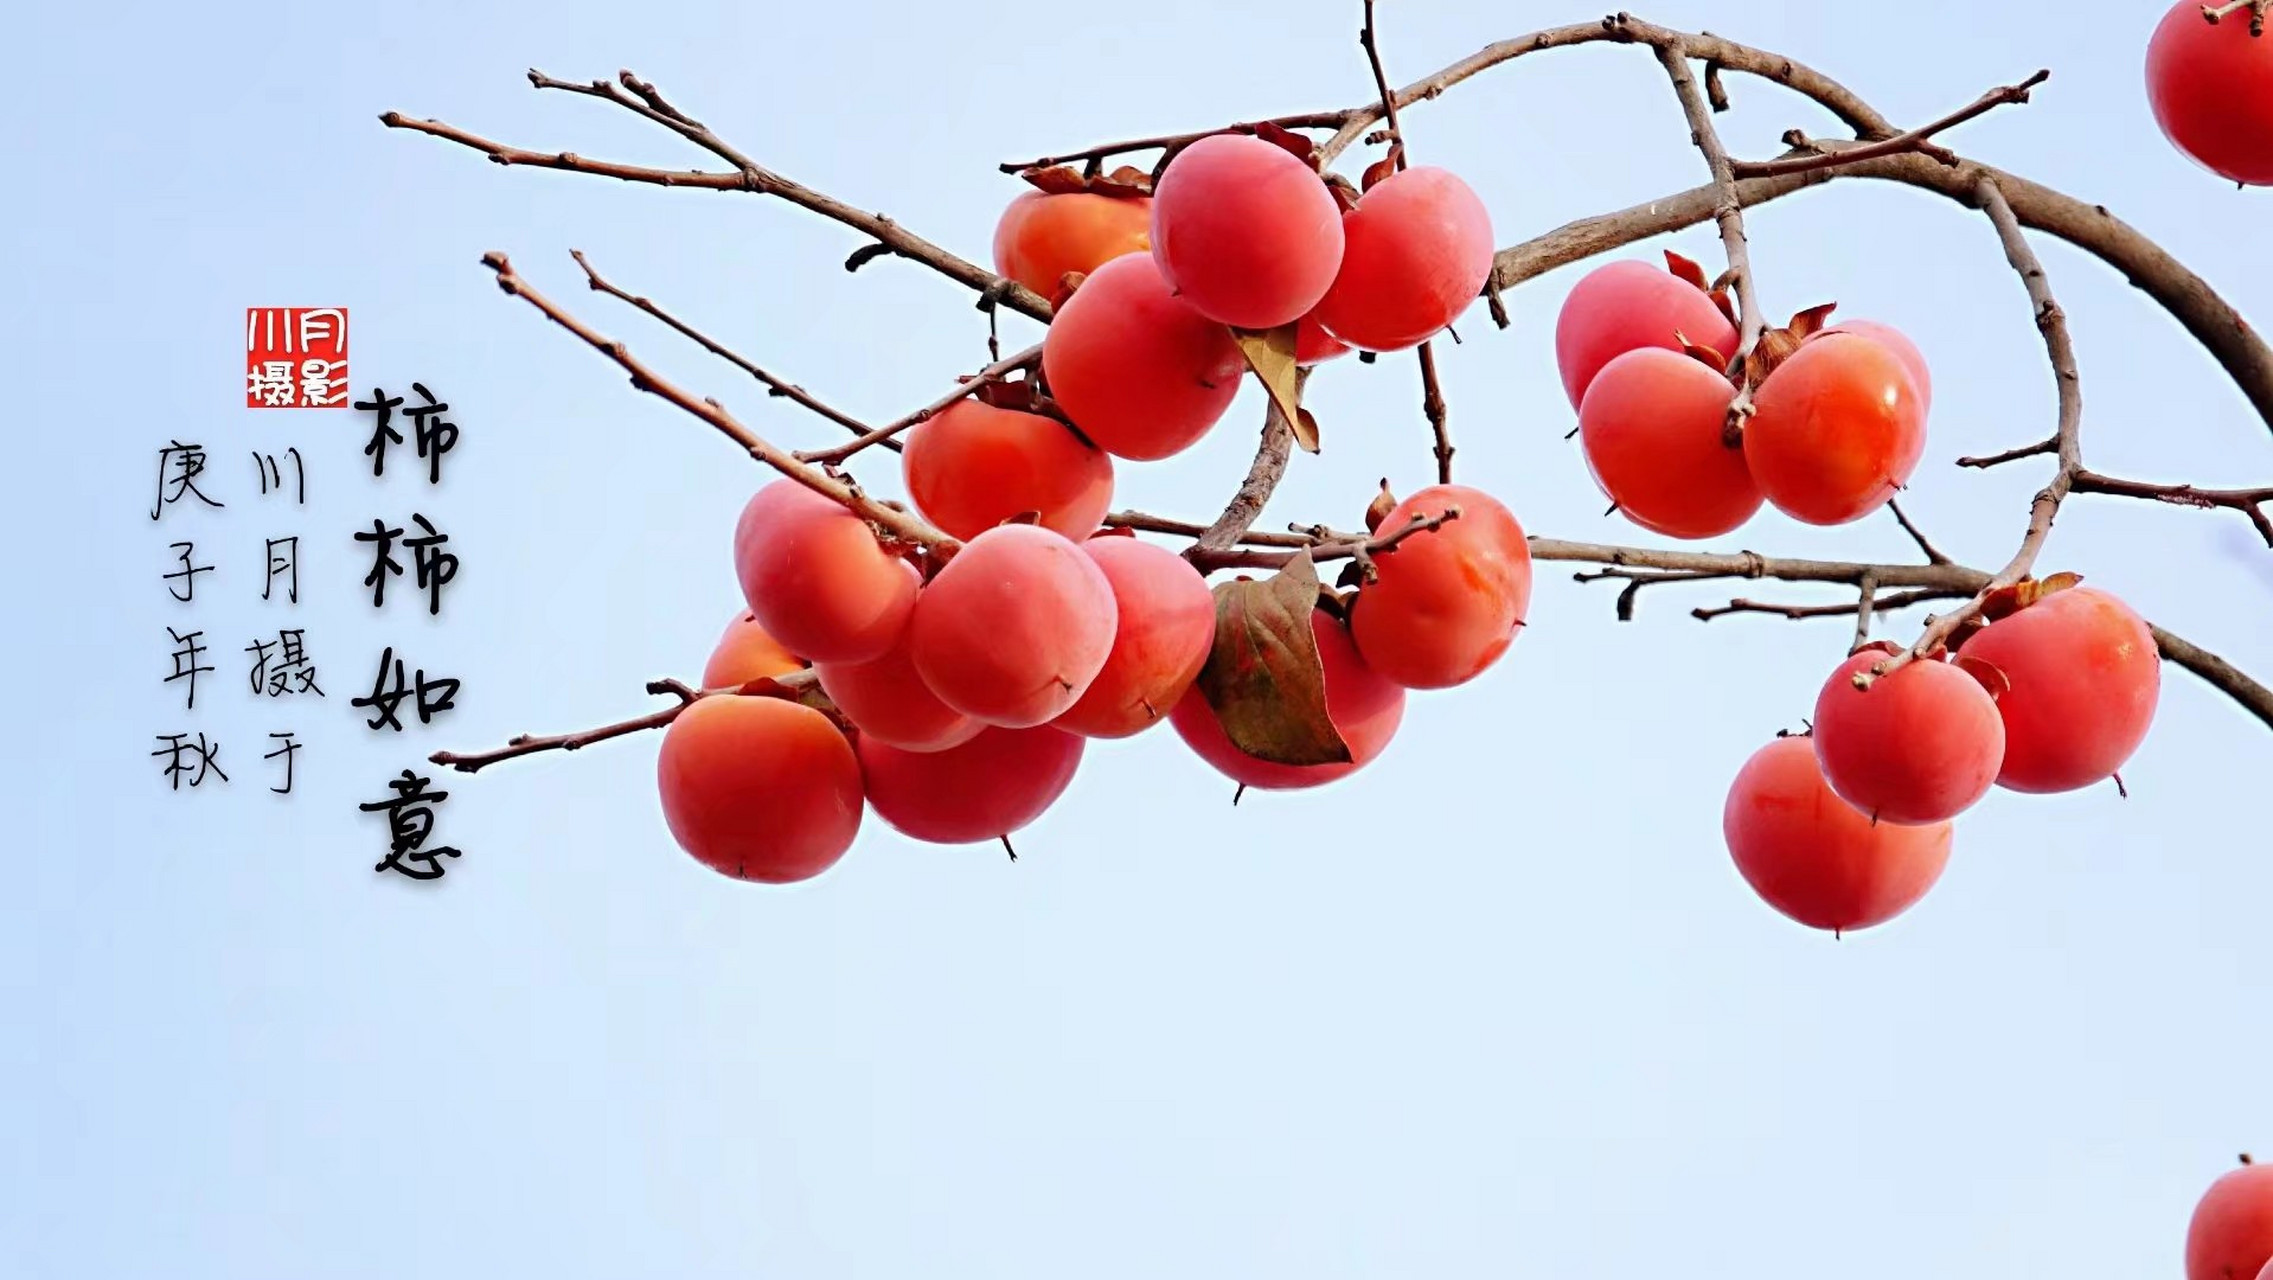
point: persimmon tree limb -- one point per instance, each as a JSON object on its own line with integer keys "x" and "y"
{"x": 2067, "y": 435}
{"x": 892, "y": 522}
{"x": 1879, "y": 150}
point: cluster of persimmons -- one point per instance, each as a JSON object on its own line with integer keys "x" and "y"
{"x": 957, "y": 690}
{"x": 1849, "y": 825}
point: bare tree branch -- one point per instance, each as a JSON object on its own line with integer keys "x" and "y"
{"x": 1918, "y": 139}
{"x": 775, "y": 385}
{"x": 993, "y": 373}
{"x": 2053, "y": 322}
{"x": 893, "y": 522}
{"x": 2250, "y": 502}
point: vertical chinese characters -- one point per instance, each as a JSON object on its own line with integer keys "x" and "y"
{"x": 418, "y": 552}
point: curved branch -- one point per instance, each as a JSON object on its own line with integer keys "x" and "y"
{"x": 797, "y": 684}
{"x": 1263, "y": 474}
{"x": 2067, "y": 436}
{"x": 893, "y": 522}
{"x": 2189, "y": 299}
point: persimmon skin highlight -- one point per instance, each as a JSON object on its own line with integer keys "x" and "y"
{"x": 2086, "y": 679}
{"x": 1245, "y": 232}
{"x": 2231, "y": 1232}
{"x": 1448, "y": 601}
{"x": 745, "y": 653}
{"x": 816, "y": 578}
{"x": 1364, "y": 708}
{"x": 887, "y": 700}
{"x": 1313, "y": 345}
{"x": 1814, "y": 857}
{"x": 1836, "y": 430}
{"x": 1628, "y": 305}
{"x": 1016, "y": 627}
{"x": 2211, "y": 90}
{"x": 972, "y": 466}
{"x": 1416, "y": 250}
{"x": 1045, "y": 236}
{"x": 758, "y": 788}
{"x": 984, "y": 789}
{"x": 1137, "y": 369}
{"x": 1166, "y": 628}
{"x": 1922, "y": 745}
{"x": 1894, "y": 340}
{"x": 1651, "y": 428}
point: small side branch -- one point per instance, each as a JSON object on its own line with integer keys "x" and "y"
{"x": 1171, "y": 141}
{"x": 1926, "y": 547}
{"x": 2249, "y": 502}
{"x": 1802, "y": 612}
{"x": 2067, "y": 437}
{"x": 1985, "y": 461}
{"x": 1263, "y": 475}
{"x": 1919, "y": 139}
{"x": 883, "y": 435}
{"x": 774, "y": 384}
{"x": 528, "y": 744}
{"x": 1728, "y": 204}
{"x": 643, "y": 99}
{"x": 1371, "y": 42}
{"x": 891, "y": 521}
{"x": 1432, "y": 407}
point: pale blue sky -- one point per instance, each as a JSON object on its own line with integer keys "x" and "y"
{"x": 1497, "y": 1005}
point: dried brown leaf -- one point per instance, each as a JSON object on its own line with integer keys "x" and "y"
{"x": 1125, "y": 182}
{"x": 1298, "y": 144}
{"x": 1270, "y": 353}
{"x": 1810, "y": 322}
{"x": 1264, "y": 679}
{"x": 1988, "y": 673}
{"x": 1378, "y": 510}
{"x": 1380, "y": 170}
{"x": 1687, "y": 269}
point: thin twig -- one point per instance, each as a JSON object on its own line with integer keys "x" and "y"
{"x": 1984, "y": 462}
{"x": 1432, "y": 407}
{"x": 1361, "y": 549}
{"x": 1866, "y": 607}
{"x": 775, "y": 384}
{"x": 1371, "y": 42}
{"x": 892, "y": 521}
{"x": 1802, "y": 612}
{"x": 791, "y": 685}
{"x": 1728, "y": 212}
{"x": 642, "y": 99}
{"x": 1926, "y": 547}
{"x": 2250, "y": 502}
{"x": 2053, "y": 322}
{"x": 1918, "y": 139}
{"x": 1171, "y": 141}
{"x": 1246, "y": 504}
{"x": 993, "y": 373}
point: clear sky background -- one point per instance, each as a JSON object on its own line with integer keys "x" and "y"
{"x": 1497, "y": 1005}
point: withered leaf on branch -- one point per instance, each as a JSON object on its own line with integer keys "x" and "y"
{"x": 1709, "y": 356}
{"x": 1270, "y": 353}
{"x": 1124, "y": 183}
{"x": 1378, "y": 510}
{"x": 2007, "y": 601}
{"x": 1777, "y": 345}
{"x": 1688, "y": 270}
{"x": 806, "y": 693}
{"x": 1380, "y": 170}
{"x": 1263, "y": 678}
{"x": 1299, "y": 144}
{"x": 1991, "y": 676}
